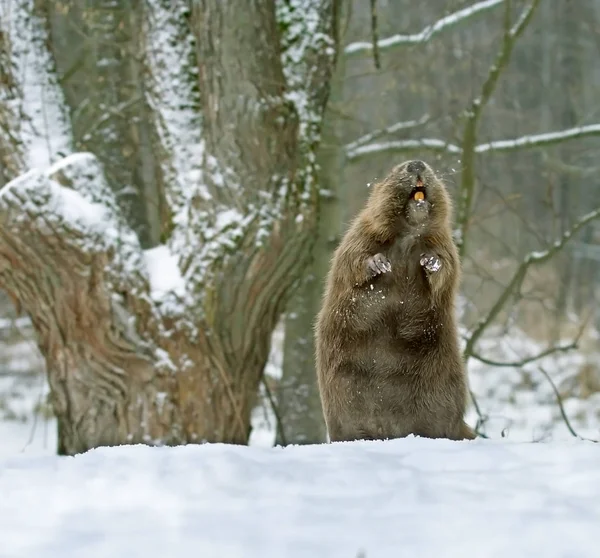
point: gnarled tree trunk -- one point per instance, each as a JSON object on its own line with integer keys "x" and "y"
{"x": 168, "y": 345}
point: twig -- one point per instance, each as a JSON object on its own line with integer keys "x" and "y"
{"x": 427, "y": 32}
{"x": 374, "y": 34}
{"x": 273, "y": 403}
{"x": 562, "y": 409}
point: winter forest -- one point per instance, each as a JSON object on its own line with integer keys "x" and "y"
{"x": 175, "y": 176}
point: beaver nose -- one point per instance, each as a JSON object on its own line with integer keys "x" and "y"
{"x": 415, "y": 167}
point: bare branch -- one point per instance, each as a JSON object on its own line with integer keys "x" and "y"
{"x": 469, "y": 141}
{"x": 275, "y": 409}
{"x": 562, "y": 408}
{"x": 533, "y": 258}
{"x": 426, "y": 33}
{"x": 527, "y": 360}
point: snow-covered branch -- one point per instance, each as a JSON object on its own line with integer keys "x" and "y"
{"x": 447, "y": 22}
{"x": 532, "y": 259}
{"x": 356, "y": 150}
{"x": 433, "y": 145}
{"x": 394, "y": 128}
{"x": 540, "y": 140}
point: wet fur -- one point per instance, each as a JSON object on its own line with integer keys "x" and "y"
{"x": 388, "y": 358}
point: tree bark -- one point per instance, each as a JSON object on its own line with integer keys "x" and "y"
{"x": 237, "y": 119}
{"x": 11, "y": 149}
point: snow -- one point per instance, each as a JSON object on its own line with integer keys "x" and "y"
{"x": 34, "y": 189}
{"x": 163, "y": 272}
{"x": 171, "y": 93}
{"x": 410, "y": 497}
{"x": 428, "y": 32}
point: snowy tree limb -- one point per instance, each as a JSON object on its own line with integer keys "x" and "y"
{"x": 361, "y": 147}
{"x": 539, "y": 140}
{"x": 473, "y": 117}
{"x": 532, "y": 259}
{"x": 434, "y": 145}
{"x": 67, "y": 260}
{"x": 389, "y": 130}
{"x": 427, "y": 33}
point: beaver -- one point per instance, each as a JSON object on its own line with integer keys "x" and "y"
{"x": 387, "y": 351}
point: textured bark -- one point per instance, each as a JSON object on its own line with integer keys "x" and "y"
{"x": 11, "y": 151}
{"x": 124, "y": 364}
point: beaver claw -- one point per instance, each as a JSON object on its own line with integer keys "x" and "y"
{"x": 378, "y": 264}
{"x": 430, "y": 263}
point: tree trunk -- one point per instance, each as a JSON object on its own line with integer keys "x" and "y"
{"x": 136, "y": 356}
{"x": 571, "y": 79}
{"x": 298, "y": 398}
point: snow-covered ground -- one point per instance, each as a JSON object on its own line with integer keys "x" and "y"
{"x": 402, "y": 498}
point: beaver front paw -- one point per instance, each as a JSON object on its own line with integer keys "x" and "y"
{"x": 430, "y": 263}
{"x": 378, "y": 264}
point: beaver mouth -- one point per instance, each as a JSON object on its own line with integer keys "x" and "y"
{"x": 418, "y": 192}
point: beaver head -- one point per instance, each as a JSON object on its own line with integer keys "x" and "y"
{"x": 411, "y": 195}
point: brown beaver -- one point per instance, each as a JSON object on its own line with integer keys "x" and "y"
{"x": 387, "y": 351}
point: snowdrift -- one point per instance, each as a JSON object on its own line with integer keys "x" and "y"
{"x": 411, "y": 497}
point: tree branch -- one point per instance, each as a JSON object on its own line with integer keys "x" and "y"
{"x": 404, "y": 125}
{"x": 427, "y": 33}
{"x": 539, "y": 140}
{"x": 533, "y": 258}
{"x": 78, "y": 271}
{"x": 562, "y": 408}
{"x": 361, "y": 148}
{"x": 473, "y": 117}
{"x": 433, "y": 145}
{"x": 526, "y": 360}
